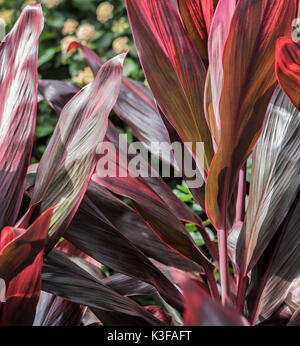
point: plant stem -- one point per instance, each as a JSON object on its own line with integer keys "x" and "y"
{"x": 242, "y": 285}
{"x": 241, "y": 193}
{"x": 224, "y": 272}
{"x": 212, "y": 284}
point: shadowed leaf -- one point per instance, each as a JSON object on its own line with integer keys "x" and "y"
{"x": 201, "y": 310}
{"x": 249, "y": 82}
{"x": 197, "y": 16}
{"x": 69, "y": 278}
{"x": 108, "y": 246}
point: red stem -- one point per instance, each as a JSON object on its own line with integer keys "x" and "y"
{"x": 242, "y": 286}
{"x": 224, "y": 272}
{"x": 241, "y": 194}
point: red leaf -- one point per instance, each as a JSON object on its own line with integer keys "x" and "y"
{"x": 216, "y": 41}
{"x": 201, "y": 310}
{"x": 18, "y": 95}
{"x": 159, "y": 313}
{"x": 21, "y": 260}
{"x": 197, "y": 16}
{"x": 174, "y": 70}
{"x": 249, "y": 82}
{"x": 19, "y": 247}
{"x": 288, "y": 68}
{"x": 136, "y": 107}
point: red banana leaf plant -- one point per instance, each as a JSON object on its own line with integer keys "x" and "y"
{"x": 224, "y": 73}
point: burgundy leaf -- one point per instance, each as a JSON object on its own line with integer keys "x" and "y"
{"x": 274, "y": 183}
{"x": 132, "y": 226}
{"x": 147, "y": 183}
{"x": 19, "y": 247}
{"x": 18, "y": 94}
{"x": 197, "y": 16}
{"x": 220, "y": 27}
{"x": 128, "y": 286}
{"x": 21, "y": 261}
{"x": 56, "y": 311}
{"x": 57, "y": 93}
{"x": 201, "y": 310}
{"x": 288, "y": 68}
{"x": 108, "y": 246}
{"x": 71, "y": 155}
{"x": 65, "y": 275}
{"x": 136, "y": 107}
{"x": 249, "y": 82}
{"x": 174, "y": 70}
{"x": 277, "y": 269}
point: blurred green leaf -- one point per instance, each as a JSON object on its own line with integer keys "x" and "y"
{"x": 47, "y": 55}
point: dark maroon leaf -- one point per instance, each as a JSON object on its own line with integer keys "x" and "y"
{"x": 70, "y": 278}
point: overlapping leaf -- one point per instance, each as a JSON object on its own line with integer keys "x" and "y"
{"x": 288, "y": 68}
{"x": 55, "y": 311}
{"x": 201, "y": 310}
{"x": 18, "y": 94}
{"x": 21, "y": 260}
{"x": 249, "y": 82}
{"x": 152, "y": 208}
{"x": 108, "y": 246}
{"x": 136, "y": 107}
{"x": 277, "y": 270}
{"x": 57, "y": 93}
{"x": 20, "y": 247}
{"x": 174, "y": 70}
{"x": 71, "y": 155}
{"x": 151, "y": 182}
{"x": 220, "y": 27}
{"x": 197, "y": 16}
{"x": 64, "y": 275}
{"x": 274, "y": 181}
{"x": 131, "y": 226}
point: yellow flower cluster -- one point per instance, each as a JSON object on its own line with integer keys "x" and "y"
{"x": 120, "y": 26}
{"x": 85, "y": 32}
{"x": 6, "y": 16}
{"x": 70, "y": 27}
{"x": 65, "y": 42}
{"x": 51, "y": 3}
{"x": 104, "y": 12}
{"x": 84, "y": 77}
{"x": 120, "y": 45}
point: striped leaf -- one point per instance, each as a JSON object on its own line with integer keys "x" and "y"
{"x": 18, "y": 95}
{"x": 71, "y": 155}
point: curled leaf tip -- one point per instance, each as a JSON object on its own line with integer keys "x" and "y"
{"x": 73, "y": 45}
